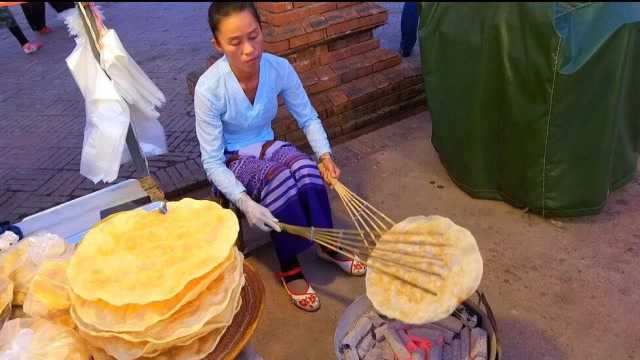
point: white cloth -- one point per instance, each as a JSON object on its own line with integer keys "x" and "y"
{"x": 107, "y": 113}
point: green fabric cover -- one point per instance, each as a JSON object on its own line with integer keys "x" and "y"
{"x": 509, "y": 125}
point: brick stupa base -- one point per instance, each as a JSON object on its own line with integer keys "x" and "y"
{"x": 355, "y": 85}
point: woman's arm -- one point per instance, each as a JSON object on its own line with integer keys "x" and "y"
{"x": 302, "y": 110}
{"x": 298, "y": 104}
{"x": 209, "y": 132}
{"x": 307, "y": 117}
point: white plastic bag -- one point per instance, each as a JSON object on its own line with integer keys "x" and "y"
{"x": 138, "y": 91}
{"x": 108, "y": 114}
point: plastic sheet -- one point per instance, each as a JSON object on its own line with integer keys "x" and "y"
{"x": 521, "y": 117}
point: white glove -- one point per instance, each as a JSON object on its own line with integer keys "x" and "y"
{"x": 257, "y": 214}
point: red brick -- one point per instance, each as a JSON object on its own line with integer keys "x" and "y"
{"x": 343, "y": 27}
{"x": 331, "y": 57}
{"x": 320, "y": 8}
{"x": 365, "y": 46}
{"x": 296, "y": 137}
{"x": 307, "y": 39}
{"x": 351, "y": 12}
{"x": 284, "y": 119}
{"x": 279, "y": 128}
{"x": 349, "y": 40}
{"x": 307, "y": 58}
{"x": 289, "y": 17}
{"x": 387, "y": 63}
{"x": 356, "y": 73}
{"x": 325, "y": 73}
{"x": 275, "y": 7}
{"x": 377, "y": 9}
{"x": 353, "y": 50}
{"x": 380, "y": 80}
{"x": 321, "y": 103}
{"x": 309, "y": 78}
{"x": 359, "y": 92}
{"x": 297, "y": 14}
{"x": 326, "y": 80}
{"x": 315, "y": 22}
{"x": 343, "y": 66}
{"x": 338, "y": 99}
{"x": 278, "y": 33}
{"x": 345, "y": 4}
{"x": 277, "y": 47}
{"x": 335, "y": 17}
{"x": 377, "y": 19}
{"x": 364, "y": 9}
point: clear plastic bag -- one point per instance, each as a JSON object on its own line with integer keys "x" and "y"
{"x": 21, "y": 262}
{"x": 39, "y": 339}
{"x": 47, "y": 296}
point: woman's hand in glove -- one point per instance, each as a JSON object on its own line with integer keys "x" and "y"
{"x": 257, "y": 214}
{"x": 328, "y": 169}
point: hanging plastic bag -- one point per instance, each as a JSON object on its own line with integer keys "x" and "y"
{"x": 108, "y": 114}
{"x": 138, "y": 91}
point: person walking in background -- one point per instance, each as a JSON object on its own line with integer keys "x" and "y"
{"x": 408, "y": 27}
{"x": 36, "y": 15}
{"x": 7, "y": 20}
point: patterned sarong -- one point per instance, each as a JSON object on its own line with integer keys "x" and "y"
{"x": 288, "y": 183}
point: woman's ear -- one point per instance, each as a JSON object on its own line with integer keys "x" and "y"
{"x": 216, "y": 45}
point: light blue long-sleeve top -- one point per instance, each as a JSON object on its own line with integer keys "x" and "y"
{"x": 225, "y": 119}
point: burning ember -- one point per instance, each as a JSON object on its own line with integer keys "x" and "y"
{"x": 456, "y": 337}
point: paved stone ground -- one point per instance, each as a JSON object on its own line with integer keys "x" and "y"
{"x": 42, "y": 121}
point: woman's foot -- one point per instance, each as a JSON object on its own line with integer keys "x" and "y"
{"x": 299, "y": 290}
{"x": 351, "y": 267}
{"x": 31, "y": 47}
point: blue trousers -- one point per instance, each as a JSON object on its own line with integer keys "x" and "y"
{"x": 409, "y": 27}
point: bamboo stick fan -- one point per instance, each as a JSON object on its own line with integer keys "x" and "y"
{"x": 371, "y": 224}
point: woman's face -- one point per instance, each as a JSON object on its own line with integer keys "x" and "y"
{"x": 239, "y": 38}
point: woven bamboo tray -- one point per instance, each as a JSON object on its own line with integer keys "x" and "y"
{"x": 244, "y": 323}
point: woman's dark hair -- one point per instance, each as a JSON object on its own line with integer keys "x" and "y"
{"x": 220, "y": 10}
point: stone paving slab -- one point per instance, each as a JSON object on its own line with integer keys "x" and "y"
{"x": 42, "y": 110}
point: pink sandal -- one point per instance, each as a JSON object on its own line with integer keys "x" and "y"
{"x": 31, "y": 47}
{"x": 307, "y": 301}
{"x": 351, "y": 267}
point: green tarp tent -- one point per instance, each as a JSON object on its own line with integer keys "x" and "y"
{"x": 534, "y": 104}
